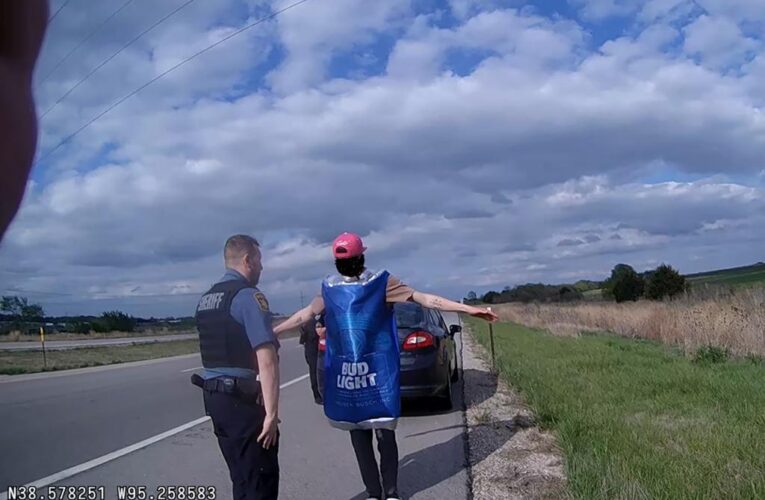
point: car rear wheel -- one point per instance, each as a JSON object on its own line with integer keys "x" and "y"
{"x": 445, "y": 399}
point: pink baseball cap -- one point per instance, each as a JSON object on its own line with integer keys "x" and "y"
{"x": 348, "y": 245}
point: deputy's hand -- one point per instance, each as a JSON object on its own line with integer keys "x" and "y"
{"x": 321, "y": 331}
{"x": 270, "y": 432}
{"x": 485, "y": 314}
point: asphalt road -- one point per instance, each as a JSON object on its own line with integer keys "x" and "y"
{"x": 56, "y": 422}
{"x": 56, "y": 345}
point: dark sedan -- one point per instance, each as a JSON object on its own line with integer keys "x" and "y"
{"x": 428, "y": 354}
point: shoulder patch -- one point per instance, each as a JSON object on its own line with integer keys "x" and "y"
{"x": 261, "y": 300}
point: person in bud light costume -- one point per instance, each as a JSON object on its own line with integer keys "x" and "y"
{"x": 361, "y": 390}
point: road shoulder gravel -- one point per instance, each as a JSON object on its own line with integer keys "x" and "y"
{"x": 510, "y": 457}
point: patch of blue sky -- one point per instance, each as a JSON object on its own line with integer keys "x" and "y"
{"x": 463, "y": 61}
{"x": 438, "y": 11}
{"x": 666, "y": 173}
{"x": 102, "y": 157}
{"x": 612, "y": 27}
{"x": 553, "y": 9}
{"x": 363, "y": 60}
{"x": 747, "y": 179}
{"x": 753, "y": 29}
{"x": 254, "y": 78}
{"x": 599, "y": 31}
{"x": 45, "y": 171}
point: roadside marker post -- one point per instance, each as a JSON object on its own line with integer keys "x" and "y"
{"x": 493, "y": 355}
{"x": 42, "y": 340}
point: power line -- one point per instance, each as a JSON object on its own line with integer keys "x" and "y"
{"x": 57, "y": 11}
{"x": 105, "y": 61}
{"x": 88, "y": 37}
{"x": 161, "y": 75}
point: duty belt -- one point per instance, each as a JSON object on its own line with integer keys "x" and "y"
{"x": 247, "y": 389}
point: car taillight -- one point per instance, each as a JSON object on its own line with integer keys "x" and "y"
{"x": 418, "y": 340}
{"x": 322, "y": 345}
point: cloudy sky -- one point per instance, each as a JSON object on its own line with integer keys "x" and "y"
{"x": 473, "y": 143}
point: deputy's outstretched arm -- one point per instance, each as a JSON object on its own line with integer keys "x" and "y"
{"x": 302, "y": 316}
{"x": 442, "y": 304}
{"x": 268, "y": 369}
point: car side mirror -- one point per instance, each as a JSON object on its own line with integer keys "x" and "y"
{"x": 454, "y": 329}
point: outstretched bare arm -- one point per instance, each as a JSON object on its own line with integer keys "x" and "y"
{"x": 442, "y": 304}
{"x": 301, "y": 317}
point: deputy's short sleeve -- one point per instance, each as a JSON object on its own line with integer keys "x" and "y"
{"x": 396, "y": 291}
{"x": 250, "y": 309}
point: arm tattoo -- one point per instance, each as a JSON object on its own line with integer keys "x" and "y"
{"x": 438, "y": 303}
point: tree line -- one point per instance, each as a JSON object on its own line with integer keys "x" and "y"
{"x": 19, "y": 314}
{"x": 624, "y": 284}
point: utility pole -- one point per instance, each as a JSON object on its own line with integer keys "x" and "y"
{"x": 302, "y": 302}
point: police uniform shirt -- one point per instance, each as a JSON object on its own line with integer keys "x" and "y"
{"x": 250, "y": 309}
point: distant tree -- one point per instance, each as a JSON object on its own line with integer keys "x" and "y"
{"x": 100, "y": 326}
{"x": 490, "y": 297}
{"x": 21, "y": 311}
{"x": 115, "y": 321}
{"x": 569, "y": 294}
{"x": 20, "y": 307}
{"x": 81, "y": 327}
{"x": 664, "y": 282}
{"x": 472, "y": 295}
{"x": 624, "y": 284}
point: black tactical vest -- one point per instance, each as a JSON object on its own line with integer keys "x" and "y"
{"x": 223, "y": 342}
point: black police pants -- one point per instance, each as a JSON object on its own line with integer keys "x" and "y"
{"x": 237, "y": 424}
{"x": 311, "y": 348}
{"x": 365, "y": 456}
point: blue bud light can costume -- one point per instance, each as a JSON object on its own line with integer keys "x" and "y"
{"x": 361, "y": 386}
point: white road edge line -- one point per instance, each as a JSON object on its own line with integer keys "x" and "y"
{"x": 64, "y": 474}
{"x": 293, "y": 381}
{"x": 191, "y": 369}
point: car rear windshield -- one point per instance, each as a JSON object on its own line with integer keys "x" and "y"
{"x": 408, "y": 315}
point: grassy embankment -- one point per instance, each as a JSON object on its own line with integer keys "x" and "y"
{"x": 732, "y": 322}
{"x": 20, "y": 337}
{"x": 737, "y": 276}
{"x": 638, "y": 419}
{"x": 17, "y": 362}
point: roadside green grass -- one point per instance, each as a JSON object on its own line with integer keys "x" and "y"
{"x": 17, "y": 362}
{"x": 15, "y": 337}
{"x": 637, "y": 420}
